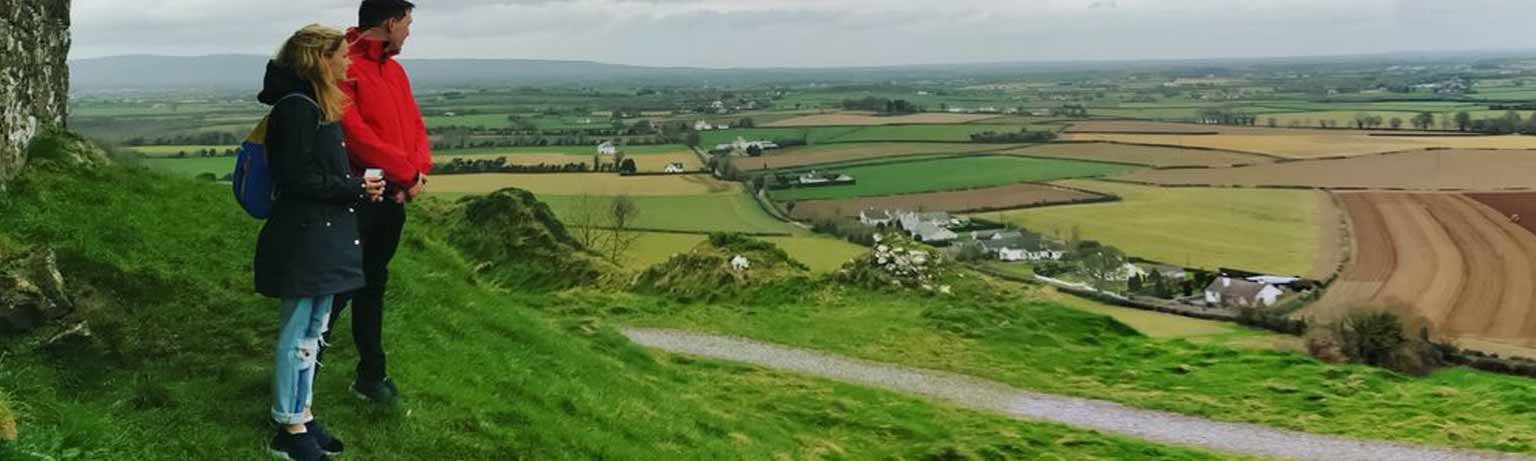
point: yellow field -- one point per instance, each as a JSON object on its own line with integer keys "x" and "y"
{"x": 1169, "y": 326}
{"x": 822, "y": 254}
{"x": 864, "y": 119}
{"x": 1272, "y": 231}
{"x": 1304, "y": 144}
{"x": 605, "y": 184}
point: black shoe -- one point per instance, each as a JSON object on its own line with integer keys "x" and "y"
{"x": 376, "y": 392}
{"x": 296, "y": 447}
{"x": 328, "y": 444}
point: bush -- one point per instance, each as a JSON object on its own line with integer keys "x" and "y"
{"x": 1379, "y": 338}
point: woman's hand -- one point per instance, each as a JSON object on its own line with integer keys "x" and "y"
{"x": 374, "y": 187}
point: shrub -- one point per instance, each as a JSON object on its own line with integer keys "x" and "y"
{"x": 1379, "y": 338}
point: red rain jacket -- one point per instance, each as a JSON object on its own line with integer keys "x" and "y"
{"x": 383, "y": 125}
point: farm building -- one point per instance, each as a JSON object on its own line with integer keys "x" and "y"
{"x": 674, "y": 167}
{"x": 607, "y": 148}
{"x": 1128, "y": 271}
{"x": 1227, "y": 291}
{"x": 875, "y": 218}
{"x": 927, "y": 232}
{"x": 813, "y": 179}
{"x": 702, "y": 125}
{"x": 1021, "y": 248}
{"x": 1167, "y": 271}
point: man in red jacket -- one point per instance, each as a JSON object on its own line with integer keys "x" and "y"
{"x": 384, "y": 130}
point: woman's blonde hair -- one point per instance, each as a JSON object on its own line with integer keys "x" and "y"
{"x": 308, "y": 52}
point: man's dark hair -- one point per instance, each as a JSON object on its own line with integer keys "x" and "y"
{"x": 374, "y": 13}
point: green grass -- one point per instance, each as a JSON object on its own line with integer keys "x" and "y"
{"x": 704, "y": 213}
{"x": 1272, "y": 231}
{"x": 171, "y": 151}
{"x": 181, "y": 361}
{"x": 193, "y": 166}
{"x": 482, "y": 121}
{"x": 822, "y": 254}
{"x": 950, "y": 174}
{"x": 811, "y": 135}
{"x": 1026, "y": 339}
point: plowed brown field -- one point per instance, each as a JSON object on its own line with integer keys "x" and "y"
{"x": 992, "y": 198}
{"x": 1462, "y": 265}
{"x": 1155, "y": 156}
{"x": 1472, "y": 170}
{"x": 1284, "y": 142}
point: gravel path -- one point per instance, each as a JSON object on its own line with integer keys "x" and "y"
{"x": 1077, "y": 412}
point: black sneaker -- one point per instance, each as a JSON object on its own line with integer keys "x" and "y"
{"x": 296, "y": 447}
{"x": 377, "y": 392}
{"x": 328, "y": 443}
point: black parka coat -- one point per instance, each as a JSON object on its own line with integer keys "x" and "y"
{"x": 309, "y": 246}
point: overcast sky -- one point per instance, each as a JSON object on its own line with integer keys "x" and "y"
{"x": 829, "y": 33}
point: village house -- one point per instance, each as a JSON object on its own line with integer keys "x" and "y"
{"x": 1021, "y": 248}
{"x": 875, "y": 218}
{"x": 607, "y": 148}
{"x": 1227, "y": 291}
{"x": 702, "y": 125}
{"x": 928, "y": 232}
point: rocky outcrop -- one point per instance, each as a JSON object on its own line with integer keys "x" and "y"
{"x": 34, "y": 77}
{"x": 31, "y": 291}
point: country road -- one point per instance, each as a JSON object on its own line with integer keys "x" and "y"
{"x": 1081, "y": 413}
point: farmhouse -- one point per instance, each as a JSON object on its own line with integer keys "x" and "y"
{"x": 1168, "y": 272}
{"x": 674, "y": 167}
{"x": 702, "y": 125}
{"x": 1227, "y": 291}
{"x": 875, "y": 218}
{"x": 1128, "y": 271}
{"x": 607, "y": 148}
{"x": 1021, "y": 248}
{"x": 927, "y": 232}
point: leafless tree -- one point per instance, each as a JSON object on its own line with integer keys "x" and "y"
{"x": 622, "y": 213}
{"x": 586, "y": 221}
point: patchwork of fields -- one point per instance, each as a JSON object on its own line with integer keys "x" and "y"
{"x": 835, "y": 153}
{"x": 1284, "y": 142}
{"x": 991, "y": 198}
{"x": 1461, "y": 265}
{"x": 589, "y": 184}
{"x": 931, "y": 175}
{"x": 1481, "y": 170}
{"x": 852, "y": 119}
{"x": 1271, "y": 231}
{"x": 1153, "y": 156}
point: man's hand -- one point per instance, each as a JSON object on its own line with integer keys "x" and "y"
{"x": 400, "y": 197}
{"x": 420, "y": 187}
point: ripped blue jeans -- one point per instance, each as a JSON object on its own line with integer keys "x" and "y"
{"x": 298, "y": 343}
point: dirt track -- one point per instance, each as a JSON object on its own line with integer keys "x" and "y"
{"x": 1463, "y": 266}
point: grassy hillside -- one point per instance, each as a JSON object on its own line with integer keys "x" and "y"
{"x": 179, "y": 362}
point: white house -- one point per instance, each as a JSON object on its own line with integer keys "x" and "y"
{"x": 1020, "y": 248}
{"x": 674, "y": 167}
{"x": 927, "y": 232}
{"x": 607, "y": 148}
{"x": 1227, "y": 291}
{"x": 910, "y": 221}
{"x": 740, "y": 263}
{"x": 875, "y": 218}
{"x": 702, "y": 125}
{"x": 1128, "y": 270}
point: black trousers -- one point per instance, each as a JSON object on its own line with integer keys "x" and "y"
{"x": 379, "y": 227}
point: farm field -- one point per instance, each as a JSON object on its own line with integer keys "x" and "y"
{"x": 1307, "y": 144}
{"x": 834, "y": 153}
{"x": 822, "y": 254}
{"x": 1270, "y": 231}
{"x": 1481, "y": 170}
{"x": 991, "y": 198}
{"x": 1460, "y": 265}
{"x": 579, "y": 184}
{"x": 171, "y": 151}
{"x": 1522, "y": 205}
{"x": 946, "y": 133}
{"x": 645, "y": 163}
{"x": 852, "y": 119}
{"x": 1153, "y": 156}
{"x": 725, "y": 212}
{"x": 1176, "y": 327}
{"x": 950, "y": 174}
{"x": 193, "y": 166}
{"x": 811, "y": 135}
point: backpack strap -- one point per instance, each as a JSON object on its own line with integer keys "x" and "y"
{"x": 304, "y": 97}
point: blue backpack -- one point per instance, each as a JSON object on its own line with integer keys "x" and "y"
{"x": 253, "y": 175}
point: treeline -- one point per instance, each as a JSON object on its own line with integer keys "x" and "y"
{"x": 207, "y": 138}
{"x": 500, "y": 165}
{"x": 467, "y": 142}
{"x": 1021, "y": 136}
{"x": 881, "y": 105}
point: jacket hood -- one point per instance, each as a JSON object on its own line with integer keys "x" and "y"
{"x": 282, "y": 81}
{"x": 373, "y": 50}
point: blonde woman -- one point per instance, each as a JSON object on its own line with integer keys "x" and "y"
{"x": 308, "y": 251}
